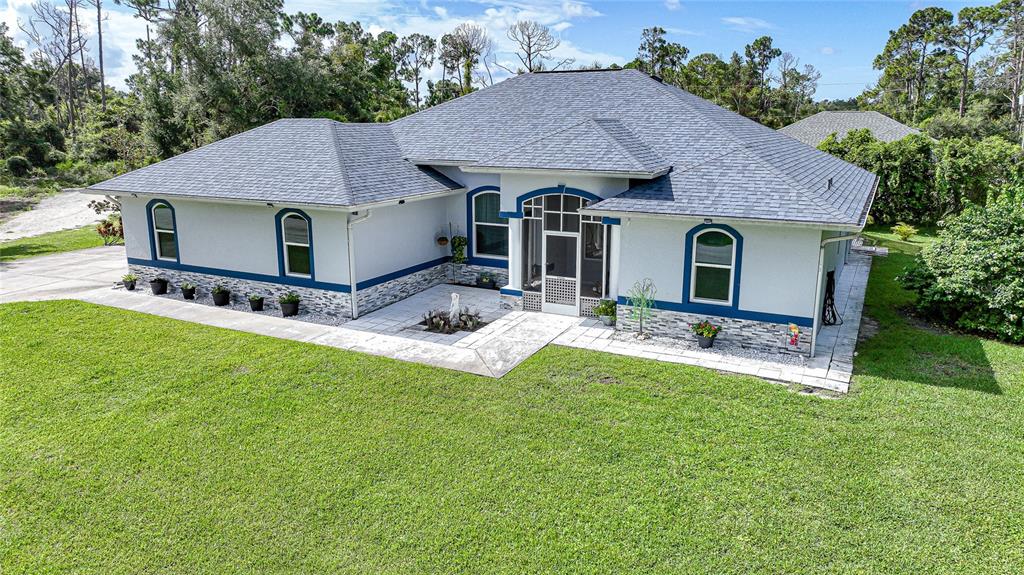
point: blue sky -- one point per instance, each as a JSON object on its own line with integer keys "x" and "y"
{"x": 840, "y": 38}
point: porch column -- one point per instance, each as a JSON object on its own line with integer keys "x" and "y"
{"x": 614, "y": 250}
{"x": 515, "y": 253}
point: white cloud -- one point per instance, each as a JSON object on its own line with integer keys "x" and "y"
{"x": 746, "y": 23}
{"x": 561, "y": 26}
{"x": 828, "y": 50}
{"x": 672, "y": 4}
{"x": 441, "y": 11}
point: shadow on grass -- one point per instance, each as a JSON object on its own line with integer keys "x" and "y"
{"x": 24, "y": 250}
{"x": 922, "y": 355}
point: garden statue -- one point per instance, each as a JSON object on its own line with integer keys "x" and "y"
{"x": 454, "y": 310}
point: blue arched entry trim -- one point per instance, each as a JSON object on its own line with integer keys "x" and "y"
{"x": 470, "y": 259}
{"x": 152, "y": 236}
{"x": 553, "y": 190}
{"x": 280, "y": 240}
{"x": 710, "y": 308}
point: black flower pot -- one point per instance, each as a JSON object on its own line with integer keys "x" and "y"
{"x": 484, "y": 283}
{"x": 222, "y": 298}
{"x": 130, "y": 286}
{"x": 705, "y": 342}
{"x": 289, "y": 309}
{"x": 188, "y": 293}
{"x": 159, "y": 287}
{"x": 256, "y": 304}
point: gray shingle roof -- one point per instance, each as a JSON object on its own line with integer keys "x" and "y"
{"x": 814, "y": 129}
{"x": 593, "y": 144}
{"x": 300, "y": 161}
{"x": 722, "y": 164}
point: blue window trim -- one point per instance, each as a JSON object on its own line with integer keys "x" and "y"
{"x": 554, "y": 190}
{"x": 471, "y": 231}
{"x": 286, "y": 280}
{"x": 152, "y": 236}
{"x": 278, "y": 219}
{"x": 737, "y": 269}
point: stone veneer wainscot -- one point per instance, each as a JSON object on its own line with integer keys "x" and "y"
{"x": 764, "y": 336}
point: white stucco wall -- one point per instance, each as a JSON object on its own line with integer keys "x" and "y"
{"x": 238, "y": 237}
{"x": 778, "y": 272}
{"x": 401, "y": 236}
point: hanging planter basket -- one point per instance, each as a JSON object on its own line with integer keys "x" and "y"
{"x": 442, "y": 241}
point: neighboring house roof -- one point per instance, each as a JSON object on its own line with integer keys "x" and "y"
{"x": 592, "y": 145}
{"x": 302, "y": 161}
{"x": 718, "y": 163}
{"x": 814, "y": 129}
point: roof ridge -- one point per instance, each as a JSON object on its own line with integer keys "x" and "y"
{"x": 747, "y": 149}
{"x": 545, "y": 136}
{"x": 346, "y": 188}
{"x": 636, "y": 161}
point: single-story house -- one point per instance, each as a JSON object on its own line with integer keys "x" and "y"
{"x": 813, "y": 130}
{"x": 567, "y": 187}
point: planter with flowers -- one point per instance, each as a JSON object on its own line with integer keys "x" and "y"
{"x": 221, "y": 295}
{"x": 256, "y": 302}
{"x": 188, "y": 290}
{"x": 706, "y": 333}
{"x": 129, "y": 281}
{"x": 289, "y": 304}
{"x": 158, "y": 285}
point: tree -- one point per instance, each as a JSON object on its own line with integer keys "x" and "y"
{"x": 641, "y": 301}
{"x": 470, "y": 44}
{"x": 973, "y": 28}
{"x": 99, "y": 39}
{"x": 535, "y": 44}
{"x": 419, "y": 57}
{"x": 657, "y": 56}
{"x": 760, "y": 55}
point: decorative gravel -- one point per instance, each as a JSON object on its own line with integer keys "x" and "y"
{"x": 721, "y": 349}
{"x": 268, "y": 308}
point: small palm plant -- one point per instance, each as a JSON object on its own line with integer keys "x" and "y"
{"x": 641, "y": 301}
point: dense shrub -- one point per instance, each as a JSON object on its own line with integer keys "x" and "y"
{"x": 33, "y": 140}
{"x": 973, "y": 277}
{"x": 965, "y": 170}
{"x": 904, "y": 231}
{"x": 19, "y": 166}
{"x": 905, "y": 170}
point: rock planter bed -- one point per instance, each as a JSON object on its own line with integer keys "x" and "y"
{"x": 241, "y": 304}
{"x": 722, "y": 349}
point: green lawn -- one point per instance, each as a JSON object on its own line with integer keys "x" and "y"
{"x": 130, "y": 443}
{"x": 51, "y": 243}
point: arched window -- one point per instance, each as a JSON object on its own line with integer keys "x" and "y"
{"x": 165, "y": 235}
{"x": 714, "y": 257}
{"x": 296, "y": 245}
{"x": 490, "y": 230}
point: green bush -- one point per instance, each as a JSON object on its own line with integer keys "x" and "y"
{"x": 903, "y": 230}
{"x": 972, "y": 277}
{"x": 19, "y": 166}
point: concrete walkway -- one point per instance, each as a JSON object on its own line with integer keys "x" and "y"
{"x": 509, "y": 338}
{"x": 831, "y": 368}
{"x": 88, "y": 275}
{"x": 64, "y": 211}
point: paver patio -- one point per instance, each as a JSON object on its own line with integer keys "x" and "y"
{"x": 509, "y": 337}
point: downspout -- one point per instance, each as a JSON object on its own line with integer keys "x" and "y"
{"x": 352, "y": 260}
{"x": 817, "y": 284}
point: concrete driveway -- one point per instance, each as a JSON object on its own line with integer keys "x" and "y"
{"x": 64, "y": 211}
{"x": 62, "y": 276}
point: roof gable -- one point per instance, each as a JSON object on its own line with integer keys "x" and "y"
{"x": 813, "y": 130}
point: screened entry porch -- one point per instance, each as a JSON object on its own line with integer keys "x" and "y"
{"x": 565, "y": 258}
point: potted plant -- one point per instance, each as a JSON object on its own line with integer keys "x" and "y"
{"x": 221, "y": 295}
{"x": 289, "y": 304}
{"x": 158, "y": 285}
{"x": 256, "y": 302}
{"x": 606, "y": 311}
{"x": 485, "y": 280}
{"x": 188, "y": 290}
{"x": 706, "y": 332}
{"x": 129, "y": 281}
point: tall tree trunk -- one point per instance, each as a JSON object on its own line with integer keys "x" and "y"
{"x": 99, "y": 37}
{"x": 964, "y": 79}
{"x": 70, "y": 63}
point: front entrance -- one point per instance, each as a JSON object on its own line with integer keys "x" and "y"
{"x": 564, "y": 255}
{"x": 561, "y": 260}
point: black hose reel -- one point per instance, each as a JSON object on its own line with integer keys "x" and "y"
{"x": 829, "y": 313}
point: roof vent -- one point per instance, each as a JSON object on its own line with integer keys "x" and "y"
{"x": 829, "y": 183}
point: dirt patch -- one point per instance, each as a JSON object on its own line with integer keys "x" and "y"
{"x": 605, "y": 379}
{"x": 868, "y": 328}
{"x": 923, "y": 323}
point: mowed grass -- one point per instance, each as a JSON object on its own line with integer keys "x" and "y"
{"x": 135, "y": 444}
{"x": 51, "y": 243}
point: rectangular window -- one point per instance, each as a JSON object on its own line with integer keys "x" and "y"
{"x": 297, "y": 254}
{"x": 490, "y": 230}
{"x": 298, "y": 259}
{"x": 164, "y": 232}
{"x": 167, "y": 248}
